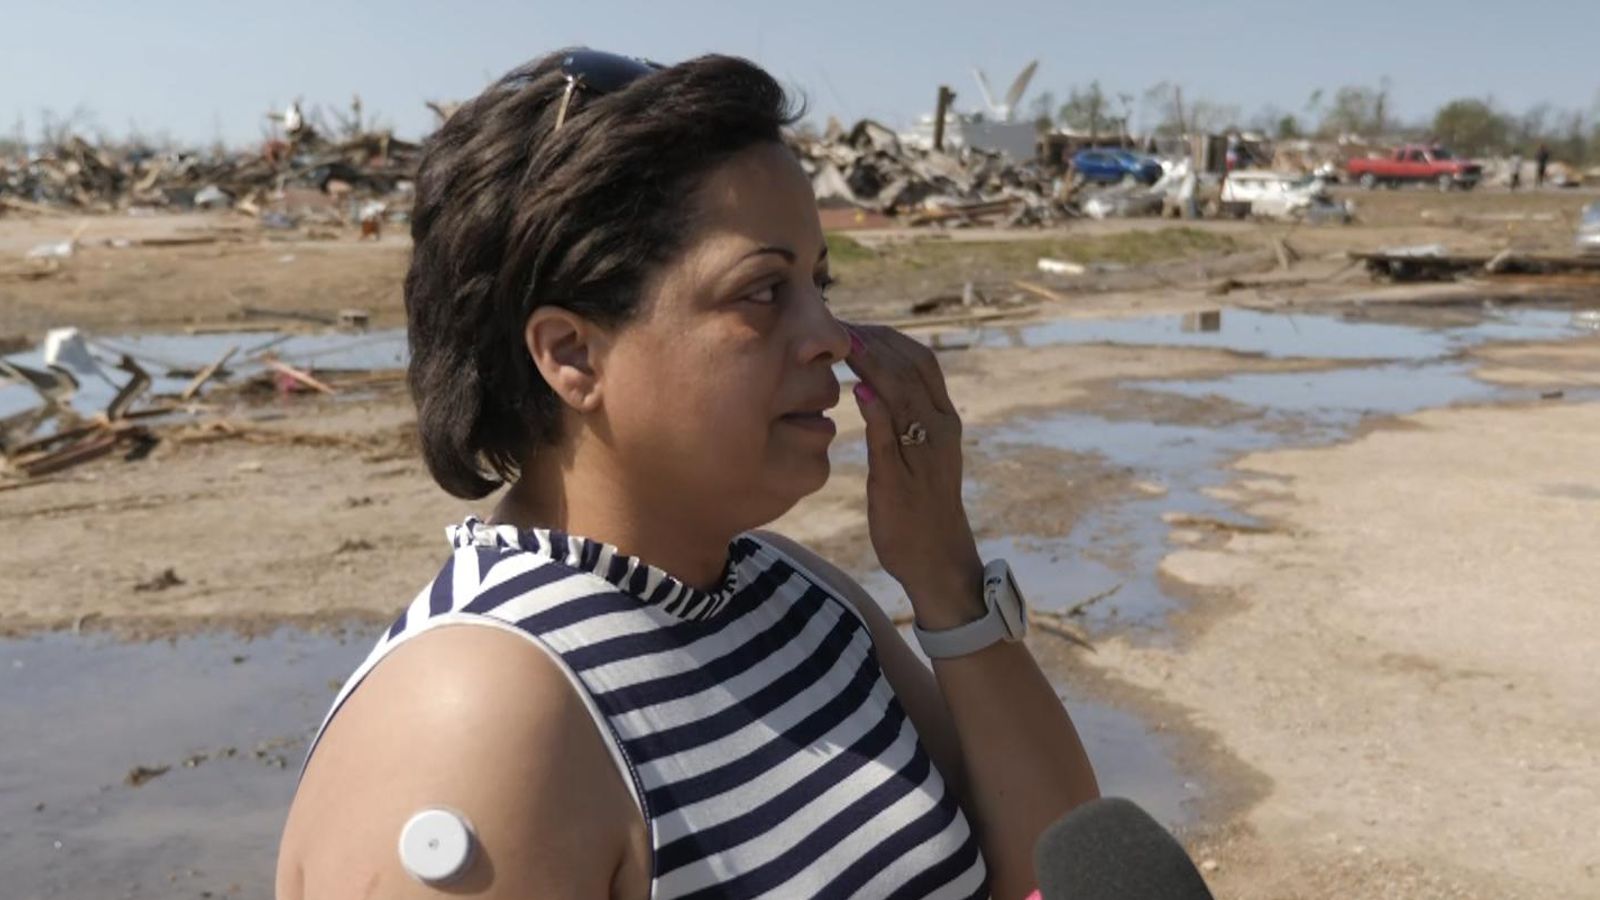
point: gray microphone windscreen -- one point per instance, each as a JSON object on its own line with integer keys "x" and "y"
{"x": 1110, "y": 848}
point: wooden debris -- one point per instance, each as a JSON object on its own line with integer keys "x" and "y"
{"x": 129, "y": 392}
{"x": 1079, "y": 608}
{"x": 206, "y": 374}
{"x": 100, "y": 443}
{"x": 298, "y": 376}
{"x": 1040, "y": 290}
{"x": 1404, "y": 267}
{"x": 1060, "y": 629}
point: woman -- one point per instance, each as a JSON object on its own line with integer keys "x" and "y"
{"x": 617, "y": 309}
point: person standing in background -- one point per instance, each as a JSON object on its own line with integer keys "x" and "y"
{"x": 1541, "y": 161}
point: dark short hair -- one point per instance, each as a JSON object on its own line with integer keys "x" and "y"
{"x": 512, "y": 213}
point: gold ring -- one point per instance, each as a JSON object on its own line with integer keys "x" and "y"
{"x": 915, "y": 435}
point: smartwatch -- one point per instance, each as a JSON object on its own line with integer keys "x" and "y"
{"x": 1005, "y": 619}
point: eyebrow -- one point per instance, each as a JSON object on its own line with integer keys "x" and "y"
{"x": 784, "y": 252}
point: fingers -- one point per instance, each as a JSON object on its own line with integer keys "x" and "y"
{"x": 903, "y": 370}
{"x": 903, "y": 359}
{"x": 880, "y": 366}
{"x": 883, "y": 441}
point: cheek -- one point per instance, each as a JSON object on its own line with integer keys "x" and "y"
{"x": 695, "y": 405}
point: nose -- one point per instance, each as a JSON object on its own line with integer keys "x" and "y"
{"x": 823, "y": 335}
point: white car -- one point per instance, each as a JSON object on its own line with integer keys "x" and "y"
{"x": 1589, "y": 229}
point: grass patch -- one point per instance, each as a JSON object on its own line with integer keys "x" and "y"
{"x": 857, "y": 265}
{"x": 844, "y": 250}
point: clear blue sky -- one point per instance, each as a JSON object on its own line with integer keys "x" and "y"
{"x": 189, "y": 68}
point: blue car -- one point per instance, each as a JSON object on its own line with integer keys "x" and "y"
{"x": 1112, "y": 166}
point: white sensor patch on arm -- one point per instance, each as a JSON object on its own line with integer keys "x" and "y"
{"x": 436, "y": 846}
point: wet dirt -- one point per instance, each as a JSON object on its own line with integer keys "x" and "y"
{"x": 160, "y": 769}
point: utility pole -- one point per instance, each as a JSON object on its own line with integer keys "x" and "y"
{"x": 946, "y": 97}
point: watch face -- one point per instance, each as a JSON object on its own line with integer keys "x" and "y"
{"x": 1013, "y": 608}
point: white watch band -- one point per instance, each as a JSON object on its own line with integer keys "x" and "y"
{"x": 999, "y": 590}
{"x": 963, "y": 639}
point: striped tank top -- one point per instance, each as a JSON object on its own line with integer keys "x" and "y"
{"x": 752, "y": 724}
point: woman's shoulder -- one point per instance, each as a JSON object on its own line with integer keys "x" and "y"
{"x": 479, "y": 721}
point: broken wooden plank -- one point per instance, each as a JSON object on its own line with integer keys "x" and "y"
{"x": 1039, "y": 290}
{"x": 304, "y": 378}
{"x": 206, "y": 374}
{"x": 83, "y": 451}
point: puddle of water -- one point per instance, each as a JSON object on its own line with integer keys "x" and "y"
{"x": 1342, "y": 397}
{"x": 1121, "y": 547}
{"x": 381, "y": 349}
{"x": 1291, "y": 335}
{"x": 1133, "y": 761}
{"x": 172, "y": 360}
{"x": 1124, "y": 544}
{"x": 79, "y": 713}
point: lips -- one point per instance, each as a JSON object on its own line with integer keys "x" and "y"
{"x": 817, "y": 405}
{"x": 811, "y": 415}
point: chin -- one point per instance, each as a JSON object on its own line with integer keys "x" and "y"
{"x": 785, "y": 487}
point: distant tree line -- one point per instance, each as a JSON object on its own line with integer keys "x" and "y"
{"x": 1468, "y": 125}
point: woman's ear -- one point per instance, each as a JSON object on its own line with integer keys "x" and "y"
{"x": 567, "y": 349}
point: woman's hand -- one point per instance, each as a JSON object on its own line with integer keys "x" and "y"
{"x": 915, "y": 514}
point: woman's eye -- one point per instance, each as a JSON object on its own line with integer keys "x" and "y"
{"x": 824, "y": 283}
{"x": 767, "y": 294}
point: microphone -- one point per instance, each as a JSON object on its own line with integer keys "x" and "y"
{"x": 1110, "y": 848}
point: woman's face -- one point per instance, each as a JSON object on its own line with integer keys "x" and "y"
{"x": 714, "y": 395}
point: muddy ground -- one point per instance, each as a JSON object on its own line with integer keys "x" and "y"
{"x": 1325, "y": 574}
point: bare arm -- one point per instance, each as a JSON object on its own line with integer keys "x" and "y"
{"x": 1022, "y": 762}
{"x": 479, "y": 721}
{"x": 1025, "y": 765}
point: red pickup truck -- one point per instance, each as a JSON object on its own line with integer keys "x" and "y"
{"x": 1415, "y": 162}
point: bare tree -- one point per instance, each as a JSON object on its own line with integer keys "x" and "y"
{"x": 1167, "y": 100}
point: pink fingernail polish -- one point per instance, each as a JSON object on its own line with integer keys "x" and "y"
{"x": 864, "y": 393}
{"x": 855, "y": 342}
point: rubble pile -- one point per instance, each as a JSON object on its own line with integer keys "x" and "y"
{"x": 76, "y": 175}
{"x": 868, "y": 167}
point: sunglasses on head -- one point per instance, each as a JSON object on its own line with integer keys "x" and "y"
{"x": 599, "y": 73}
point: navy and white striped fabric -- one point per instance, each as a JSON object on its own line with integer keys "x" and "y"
{"x": 753, "y": 725}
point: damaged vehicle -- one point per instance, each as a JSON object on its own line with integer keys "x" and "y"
{"x": 1279, "y": 195}
{"x": 1113, "y": 166}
